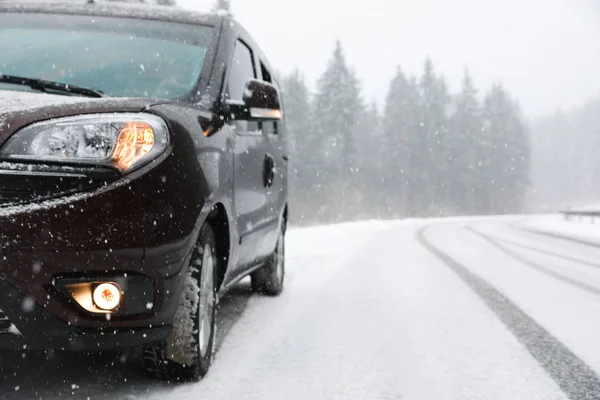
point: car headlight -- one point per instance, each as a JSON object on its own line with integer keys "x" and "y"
{"x": 124, "y": 141}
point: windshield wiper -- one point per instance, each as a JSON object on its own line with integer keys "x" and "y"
{"x": 46, "y": 86}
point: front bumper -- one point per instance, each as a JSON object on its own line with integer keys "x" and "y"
{"x": 37, "y": 329}
{"x": 144, "y": 224}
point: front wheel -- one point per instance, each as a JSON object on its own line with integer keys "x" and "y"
{"x": 269, "y": 278}
{"x": 187, "y": 353}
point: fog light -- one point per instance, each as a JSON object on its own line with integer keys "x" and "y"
{"x": 107, "y": 296}
{"x": 118, "y": 295}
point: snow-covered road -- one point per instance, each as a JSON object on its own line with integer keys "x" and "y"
{"x": 423, "y": 309}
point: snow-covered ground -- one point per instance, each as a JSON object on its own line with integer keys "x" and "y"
{"x": 415, "y": 309}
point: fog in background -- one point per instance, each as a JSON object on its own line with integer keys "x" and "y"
{"x": 543, "y": 53}
{"x": 566, "y": 159}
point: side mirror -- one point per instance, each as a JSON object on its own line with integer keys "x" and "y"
{"x": 260, "y": 103}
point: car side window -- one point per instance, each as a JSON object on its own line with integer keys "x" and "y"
{"x": 266, "y": 76}
{"x": 269, "y": 127}
{"x": 241, "y": 71}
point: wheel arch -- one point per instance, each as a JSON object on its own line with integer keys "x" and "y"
{"x": 284, "y": 218}
{"x": 219, "y": 222}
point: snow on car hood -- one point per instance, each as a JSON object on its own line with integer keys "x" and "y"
{"x": 14, "y": 102}
{"x": 18, "y": 109}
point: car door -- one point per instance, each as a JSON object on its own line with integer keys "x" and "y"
{"x": 249, "y": 192}
{"x": 277, "y": 159}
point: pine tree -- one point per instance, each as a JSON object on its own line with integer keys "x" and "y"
{"x": 297, "y": 105}
{"x": 508, "y": 162}
{"x": 433, "y": 131}
{"x": 467, "y": 149}
{"x": 367, "y": 136}
{"x": 368, "y": 166}
{"x": 336, "y": 108}
{"x": 300, "y": 137}
{"x": 372, "y": 118}
{"x": 404, "y": 149}
{"x": 518, "y": 155}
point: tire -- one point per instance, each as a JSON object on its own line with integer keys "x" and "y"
{"x": 269, "y": 278}
{"x": 187, "y": 353}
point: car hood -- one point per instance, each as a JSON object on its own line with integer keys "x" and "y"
{"x": 18, "y": 109}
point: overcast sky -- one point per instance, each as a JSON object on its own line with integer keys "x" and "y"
{"x": 546, "y": 52}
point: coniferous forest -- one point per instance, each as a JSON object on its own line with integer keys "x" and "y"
{"x": 425, "y": 152}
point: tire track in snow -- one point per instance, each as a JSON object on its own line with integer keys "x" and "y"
{"x": 556, "y": 275}
{"x": 555, "y": 235}
{"x": 536, "y": 249}
{"x": 575, "y": 378}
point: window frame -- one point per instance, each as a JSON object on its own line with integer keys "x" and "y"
{"x": 264, "y": 70}
{"x": 241, "y": 41}
{"x": 226, "y": 92}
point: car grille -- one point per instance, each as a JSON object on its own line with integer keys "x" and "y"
{"x": 21, "y": 188}
{"x": 5, "y": 324}
{"x": 24, "y": 183}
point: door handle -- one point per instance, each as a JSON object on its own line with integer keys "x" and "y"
{"x": 268, "y": 171}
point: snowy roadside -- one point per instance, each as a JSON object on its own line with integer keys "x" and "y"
{"x": 556, "y": 225}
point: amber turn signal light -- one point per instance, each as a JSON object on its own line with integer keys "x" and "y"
{"x": 135, "y": 140}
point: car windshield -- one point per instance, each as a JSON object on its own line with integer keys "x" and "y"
{"x": 119, "y": 57}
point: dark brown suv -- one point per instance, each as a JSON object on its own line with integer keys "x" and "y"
{"x": 143, "y": 171}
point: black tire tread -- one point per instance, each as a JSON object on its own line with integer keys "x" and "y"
{"x": 155, "y": 360}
